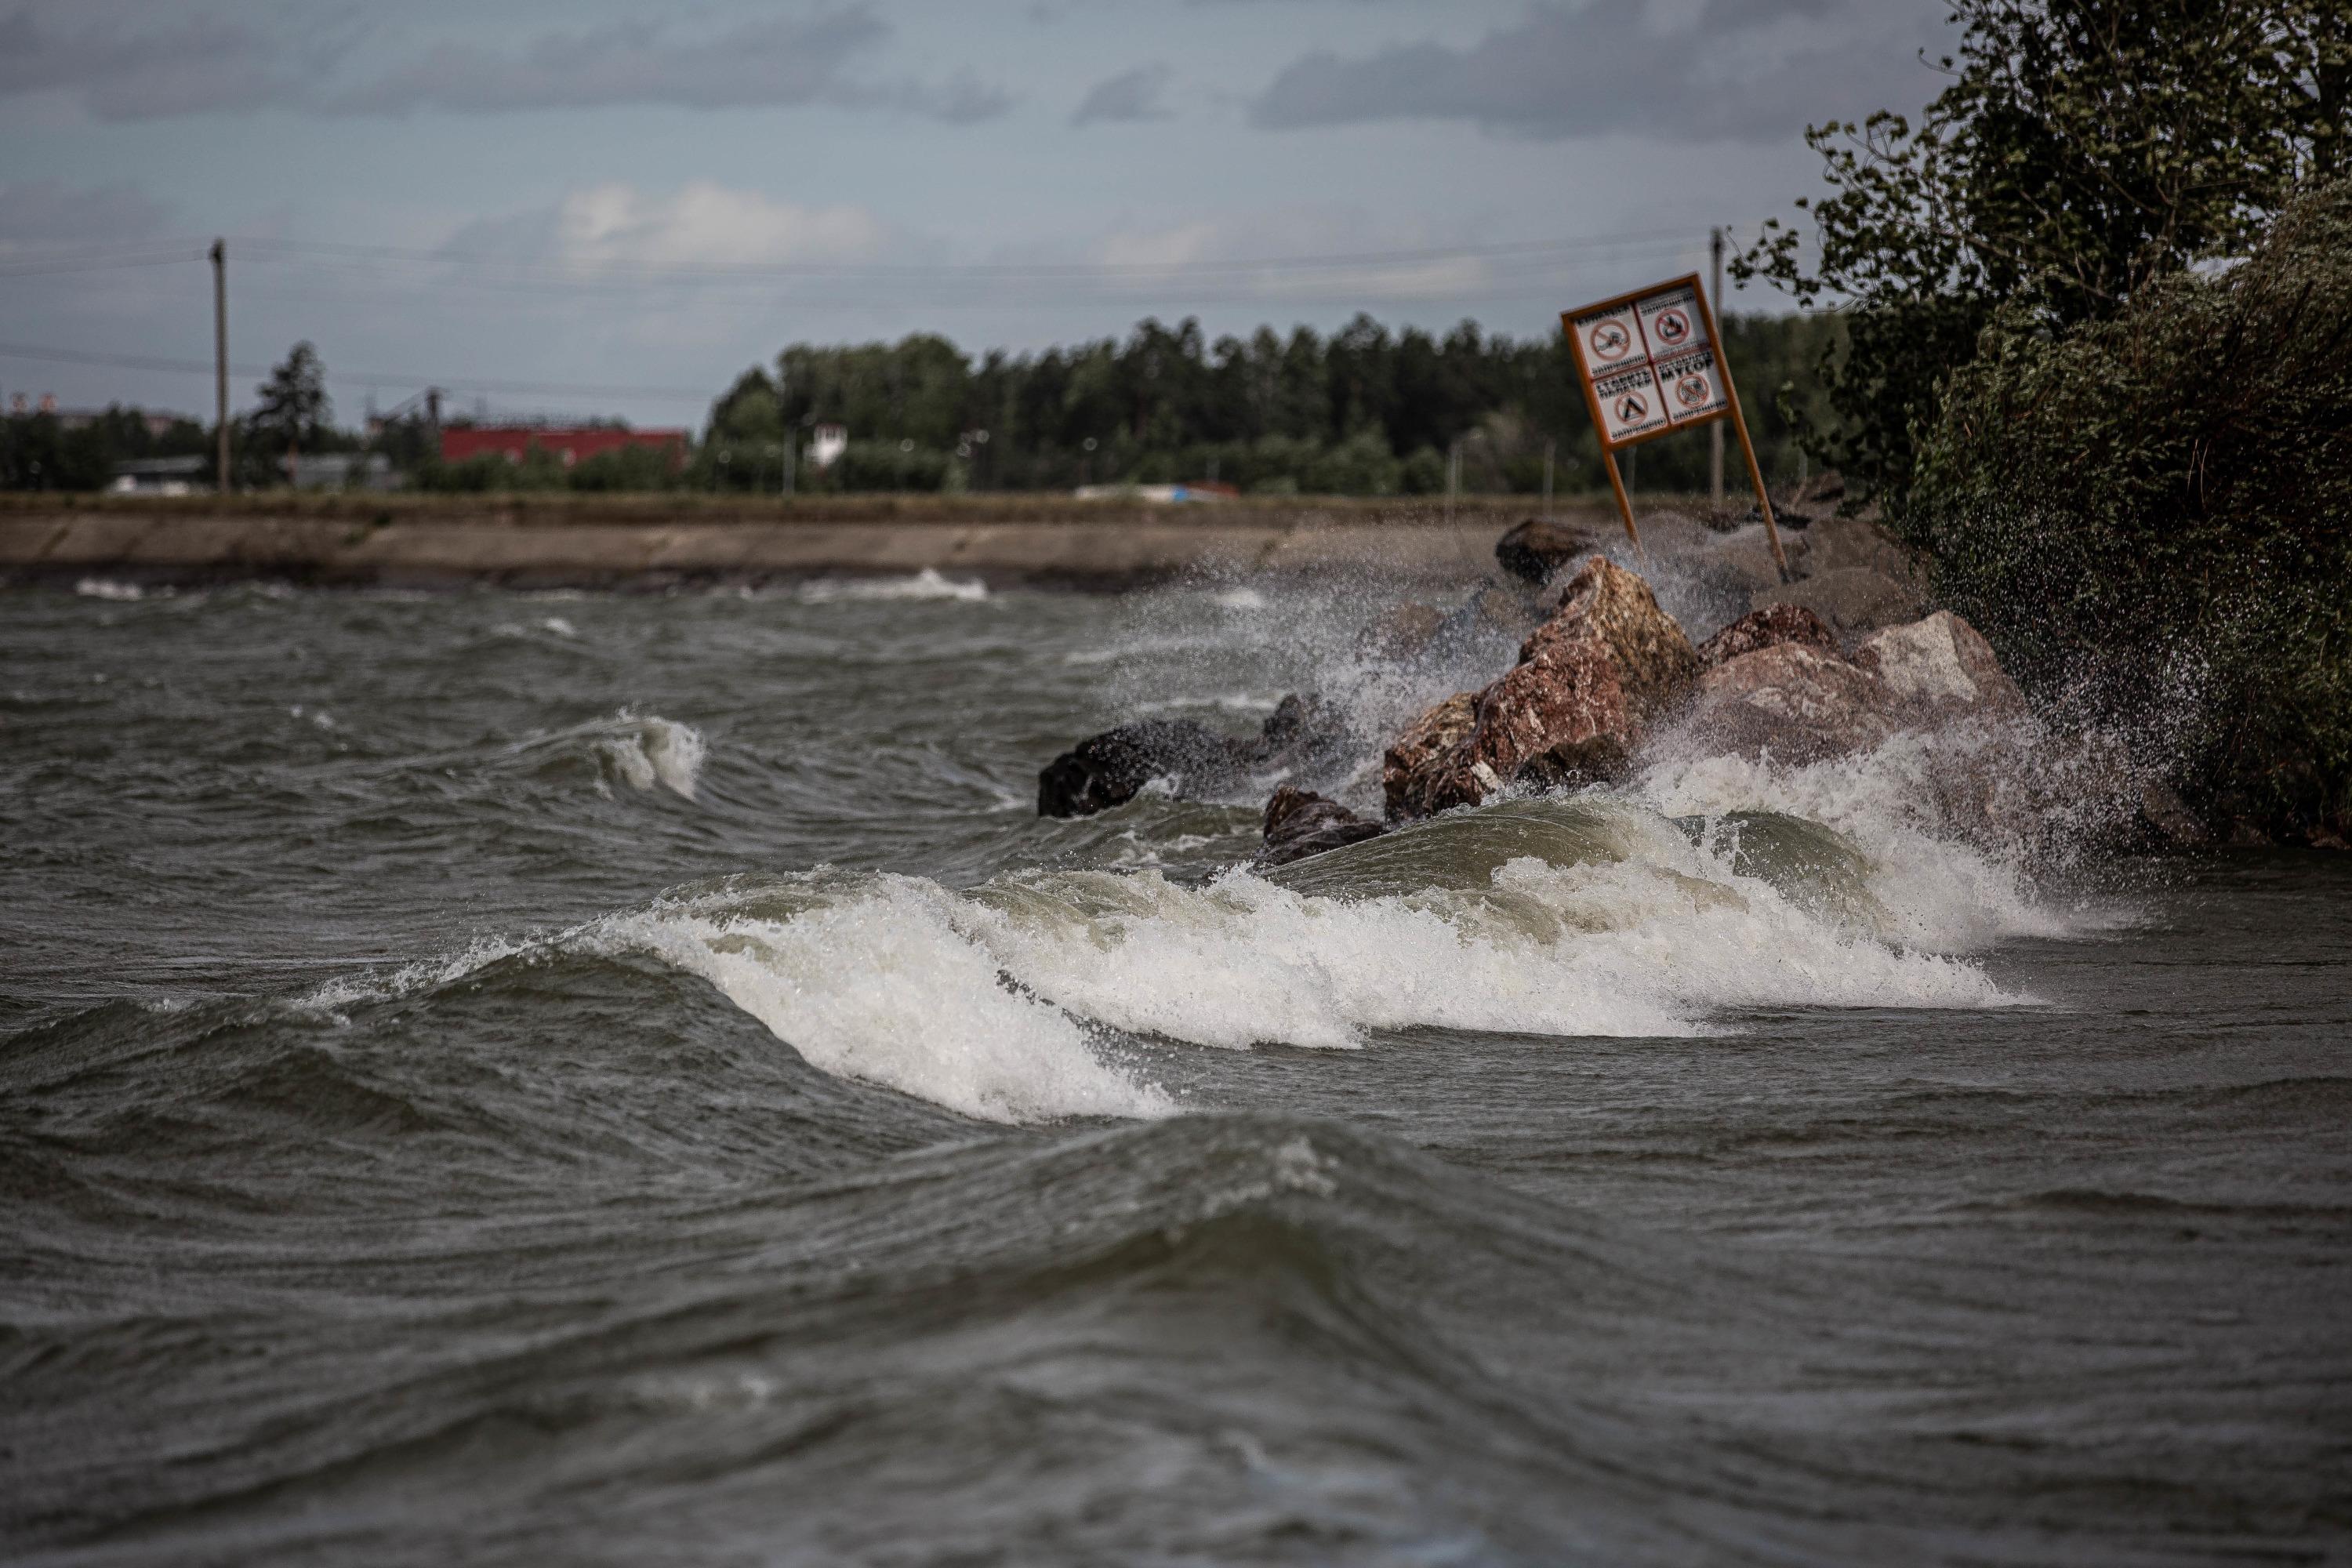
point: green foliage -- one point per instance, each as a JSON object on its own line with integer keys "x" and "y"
{"x": 1363, "y": 412}
{"x": 2083, "y": 148}
{"x": 2123, "y": 502}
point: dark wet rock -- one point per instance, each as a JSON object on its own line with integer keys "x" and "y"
{"x": 1537, "y": 549}
{"x": 1303, "y": 735}
{"x": 1606, "y": 665}
{"x": 1767, "y": 627}
{"x": 1108, "y": 769}
{"x": 1300, "y": 823}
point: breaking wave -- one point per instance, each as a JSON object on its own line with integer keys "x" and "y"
{"x": 927, "y": 584}
{"x": 1032, "y": 996}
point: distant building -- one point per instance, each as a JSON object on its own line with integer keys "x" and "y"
{"x": 569, "y": 445}
{"x": 161, "y": 476}
{"x": 342, "y": 472}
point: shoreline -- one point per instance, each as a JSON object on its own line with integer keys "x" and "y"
{"x": 651, "y": 542}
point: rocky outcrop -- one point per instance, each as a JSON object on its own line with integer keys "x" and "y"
{"x": 1608, "y": 663}
{"x": 1765, "y": 629}
{"x": 1538, "y": 549}
{"x": 1303, "y": 734}
{"x": 1300, "y": 823}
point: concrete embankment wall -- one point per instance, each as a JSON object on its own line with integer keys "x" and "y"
{"x": 652, "y": 541}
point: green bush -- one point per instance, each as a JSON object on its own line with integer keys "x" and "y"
{"x": 2154, "y": 513}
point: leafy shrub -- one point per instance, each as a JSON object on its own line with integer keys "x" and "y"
{"x": 2171, "y": 490}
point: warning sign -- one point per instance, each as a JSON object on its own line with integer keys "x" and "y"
{"x": 1650, "y": 360}
{"x": 1693, "y": 385}
{"x": 1631, "y": 405}
{"x": 1611, "y": 340}
{"x": 1650, "y": 363}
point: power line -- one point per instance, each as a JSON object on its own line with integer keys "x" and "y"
{"x": 458, "y": 384}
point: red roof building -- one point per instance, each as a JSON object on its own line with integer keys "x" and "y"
{"x": 570, "y": 444}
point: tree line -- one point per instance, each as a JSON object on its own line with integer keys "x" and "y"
{"x": 1364, "y": 411}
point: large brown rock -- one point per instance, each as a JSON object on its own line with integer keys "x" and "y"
{"x": 1589, "y": 680}
{"x": 1791, "y": 699}
{"x": 1409, "y": 765}
{"x": 1940, "y": 669}
{"x": 1766, "y": 628}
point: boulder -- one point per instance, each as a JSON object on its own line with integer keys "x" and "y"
{"x": 1851, "y": 599}
{"x": 1767, "y": 627}
{"x": 1410, "y": 762}
{"x": 1303, "y": 735}
{"x": 1537, "y": 549}
{"x": 1793, "y": 700}
{"x": 1607, "y": 664}
{"x": 1612, "y": 609}
{"x": 1940, "y": 669}
{"x": 1300, "y": 823}
{"x": 1108, "y": 769}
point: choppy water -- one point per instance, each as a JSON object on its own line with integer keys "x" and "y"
{"x": 616, "y": 1079}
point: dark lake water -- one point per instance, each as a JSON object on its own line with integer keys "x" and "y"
{"x": 494, "y": 1078}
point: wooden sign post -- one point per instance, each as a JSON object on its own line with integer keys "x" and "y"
{"x": 1652, "y": 363}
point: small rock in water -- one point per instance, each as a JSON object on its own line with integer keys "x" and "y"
{"x": 1300, "y": 823}
{"x": 1303, "y": 734}
{"x": 1108, "y": 769}
{"x": 1534, "y": 551}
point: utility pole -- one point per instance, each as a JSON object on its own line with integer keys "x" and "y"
{"x": 1714, "y": 427}
{"x": 220, "y": 358}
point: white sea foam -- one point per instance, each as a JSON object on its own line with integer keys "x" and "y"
{"x": 1659, "y": 944}
{"x": 108, "y": 588}
{"x": 1941, "y": 893}
{"x": 881, "y": 987}
{"x": 927, "y": 584}
{"x": 650, "y": 750}
{"x": 1240, "y": 598}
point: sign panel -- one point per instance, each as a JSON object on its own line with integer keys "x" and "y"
{"x": 1631, "y": 405}
{"x": 1650, "y": 362}
{"x": 1692, "y": 386}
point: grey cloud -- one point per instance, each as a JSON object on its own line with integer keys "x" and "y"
{"x": 1599, "y": 69}
{"x": 46, "y": 212}
{"x": 1131, "y": 95}
{"x": 783, "y": 62}
{"x": 188, "y": 67}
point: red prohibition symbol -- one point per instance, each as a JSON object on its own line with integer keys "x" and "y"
{"x": 1694, "y": 391}
{"x": 1610, "y": 340}
{"x": 1672, "y": 327}
{"x": 1632, "y": 409}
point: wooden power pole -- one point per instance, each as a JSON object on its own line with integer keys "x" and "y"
{"x": 220, "y": 360}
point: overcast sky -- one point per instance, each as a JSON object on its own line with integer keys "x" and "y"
{"x": 615, "y": 206}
